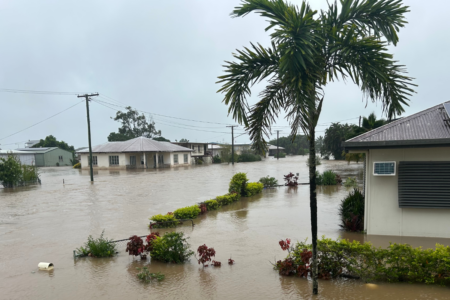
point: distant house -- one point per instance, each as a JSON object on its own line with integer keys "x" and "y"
{"x": 41, "y": 157}
{"x": 199, "y": 150}
{"x": 407, "y": 175}
{"x": 31, "y": 143}
{"x": 139, "y": 152}
{"x": 271, "y": 149}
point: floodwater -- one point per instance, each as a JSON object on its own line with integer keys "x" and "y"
{"x": 46, "y": 223}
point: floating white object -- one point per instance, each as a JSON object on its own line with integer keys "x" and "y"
{"x": 45, "y": 266}
{"x": 371, "y": 285}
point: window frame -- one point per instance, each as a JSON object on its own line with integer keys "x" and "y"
{"x": 113, "y": 161}
{"x": 186, "y": 158}
{"x": 175, "y": 159}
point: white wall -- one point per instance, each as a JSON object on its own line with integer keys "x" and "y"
{"x": 103, "y": 160}
{"x": 383, "y": 215}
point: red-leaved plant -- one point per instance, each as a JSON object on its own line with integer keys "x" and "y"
{"x": 205, "y": 254}
{"x": 230, "y": 261}
{"x": 149, "y": 239}
{"x": 291, "y": 179}
{"x": 135, "y": 246}
{"x": 216, "y": 263}
{"x": 203, "y": 208}
{"x": 292, "y": 265}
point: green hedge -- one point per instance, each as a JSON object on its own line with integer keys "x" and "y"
{"x": 253, "y": 188}
{"x": 169, "y": 218}
{"x": 238, "y": 183}
{"x": 212, "y": 204}
{"x": 227, "y": 199}
{"x": 396, "y": 263}
{"x": 189, "y": 212}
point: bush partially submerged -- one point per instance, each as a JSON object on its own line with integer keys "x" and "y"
{"x": 350, "y": 182}
{"x": 212, "y": 204}
{"x": 238, "y": 183}
{"x": 227, "y": 199}
{"x": 268, "y": 181}
{"x": 146, "y": 276}
{"x": 253, "y": 188}
{"x": 171, "y": 248}
{"x": 328, "y": 178}
{"x": 190, "y": 212}
{"x": 165, "y": 221}
{"x": 351, "y": 211}
{"x": 100, "y": 247}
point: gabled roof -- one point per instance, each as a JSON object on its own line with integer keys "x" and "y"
{"x": 139, "y": 144}
{"x": 430, "y": 127}
{"x": 38, "y": 150}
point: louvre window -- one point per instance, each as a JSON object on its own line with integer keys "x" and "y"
{"x": 185, "y": 158}
{"x": 113, "y": 160}
{"x": 175, "y": 158}
{"x": 424, "y": 184}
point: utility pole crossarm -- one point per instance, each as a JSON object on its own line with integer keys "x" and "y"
{"x": 86, "y": 96}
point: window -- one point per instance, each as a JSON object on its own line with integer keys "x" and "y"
{"x": 114, "y": 160}
{"x": 132, "y": 160}
{"x": 94, "y": 160}
{"x": 60, "y": 158}
{"x": 185, "y": 158}
{"x": 199, "y": 149}
{"x": 175, "y": 158}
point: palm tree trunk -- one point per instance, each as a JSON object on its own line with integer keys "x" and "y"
{"x": 313, "y": 205}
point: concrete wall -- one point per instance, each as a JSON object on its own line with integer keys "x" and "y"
{"x": 103, "y": 161}
{"x": 383, "y": 215}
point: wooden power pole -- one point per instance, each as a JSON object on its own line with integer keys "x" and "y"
{"x": 278, "y": 136}
{"x": 89, "y": 130}
{"x": 232, "y": 143}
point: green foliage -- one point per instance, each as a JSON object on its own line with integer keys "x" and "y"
{"x": 293, "y": 147}
{"x": 318, "y": 161}
{"x": 161, "y": 139}
{"x": 247, "y": 156}
{"x": 212, "y": 204}
{"x": 396, "y": 263}
{"x": 334, "y": 136}
{"x": 351, "y": 211}
{"x": 146, "y": 276}
{"x": 368, "y": 124}
{"x": 216, "y": 159}
{"x": 30, "y": 173}
{"x": 357, "y": 157}
{"x": 280, "y": 155}
{"x": 10, "y": 171}
{"x": 100, "y": 247}
{"x": 253, "y": 188}
{"x": 133, "y": 125}
{"x": 327, "y": 178}
{"x": 268, "y": 181}
{"x": 350, "y": 182}
{"x": 171, "y": 248}
{"x": 238, "y": 183}
{"x": 184, "y": 141}
{"x": 190, "y": 212}
{"x": 227, "y": 199}
{"x": 169, "y": 220}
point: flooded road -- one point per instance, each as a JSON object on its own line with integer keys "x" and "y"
{"x": 46, "y": 223}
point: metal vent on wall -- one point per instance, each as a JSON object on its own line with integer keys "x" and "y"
{"x": 384, "y": 168}
{"x": 424, "y": 184}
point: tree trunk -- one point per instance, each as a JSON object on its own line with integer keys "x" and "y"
{"x": 313, "y": 205}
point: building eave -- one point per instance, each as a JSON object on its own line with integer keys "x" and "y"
{"x": 396, "y": 144}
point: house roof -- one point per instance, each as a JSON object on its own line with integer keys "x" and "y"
{"x": 38, "y": 150}
{"x": 139, "y": 144}
{"x": 430, "y": 127}
{"x": 3, "y": 152}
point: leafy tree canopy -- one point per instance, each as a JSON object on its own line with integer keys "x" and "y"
{"x": 51, "y": 141}
{"x": 368, "y": 124}
{"x": 161, "y": 139}
{"x": 184, "y": 141}
{"x": 133, "y": 125}
{"x": 334, "y": 136}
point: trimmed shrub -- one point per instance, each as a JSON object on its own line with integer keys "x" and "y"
{"x": 171, "y": 248}
{"x": 212, "y": 204}
{"x": 238, "y": 183}
{"x": 169, "y": 218}
{"x": 100, "y": 247}
{"x": 351, "y": 211}
{"x": 248, "y": 157}
{"x": 268, "y": 181}
{"x": 189, "y": 212}
{"x": 253, "y": 188}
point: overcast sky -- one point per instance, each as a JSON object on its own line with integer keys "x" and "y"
{"x": 164, "y": 57}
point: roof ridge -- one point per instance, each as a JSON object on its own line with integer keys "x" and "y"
{"x": 395, "y": 123}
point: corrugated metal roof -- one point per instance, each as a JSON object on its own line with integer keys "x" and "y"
{"x": 38, "y": 150}
{"x": 139, "y": 144}
{"x": 428, "y": 124}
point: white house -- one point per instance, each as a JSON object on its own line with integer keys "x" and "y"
{"x": 139, "y": 152}
{"x": 407, "y": 175}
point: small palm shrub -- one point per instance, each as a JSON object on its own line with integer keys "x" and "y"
{"x": 268, "y": 181}
{"x": 212, "y": 204}
{"x": 165, "y": 220}
{"x": 190, "y": 212}
{"x": 171, "y": 248}
{"x": 100, "y": 247}
{"x": 238, "y": 183}
{"x": 253, "y": 188}
{"x": 351, "y": 211}
{"x": 350, "y": 182}
{"x": 146, "y": 276}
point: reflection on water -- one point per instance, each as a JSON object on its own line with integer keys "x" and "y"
{"x": 46, "y": 223}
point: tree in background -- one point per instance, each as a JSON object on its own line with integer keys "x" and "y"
{"x": 334, "y": 136}
{"x": 51, "y": 141}
{"x": 368, "y": 124}
{"x": 133, "y": 126}
{"x": 294, "y": 146}
{"x": 161, "y": 139}
{"x": 309, "y": 50}
{"x": 184, "y": 141}
{"x": 319, "y": 145}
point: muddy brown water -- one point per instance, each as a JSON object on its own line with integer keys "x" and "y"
{"x": 46, "y": 223}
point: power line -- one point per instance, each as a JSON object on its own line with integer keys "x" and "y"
{"x": 36, "y": 92}
{"x": 41, "y": 121}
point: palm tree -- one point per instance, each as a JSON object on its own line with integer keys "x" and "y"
{"x": 308, "y": 50}
{"x": 368, "y": 124}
